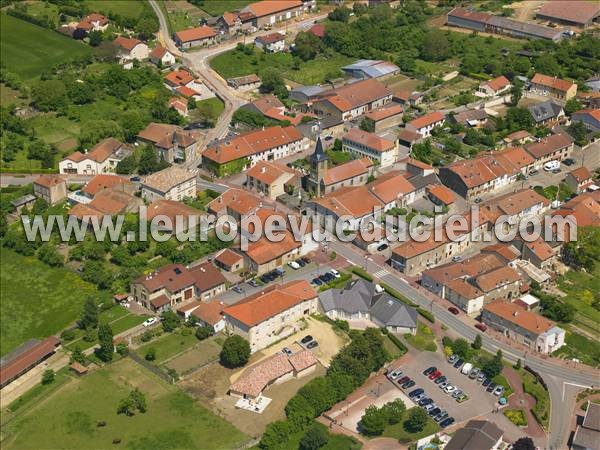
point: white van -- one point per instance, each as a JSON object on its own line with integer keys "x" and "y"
{"x": 466, "y": 369}
{"x": 551, "y": 165}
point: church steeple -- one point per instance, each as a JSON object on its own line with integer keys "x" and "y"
{"x": 319, "y": 154}
{"x": 318, "y": 167}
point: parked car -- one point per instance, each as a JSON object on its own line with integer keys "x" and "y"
{"x": 415, "y": 392}
{"x": 440, "y": 380}
{"x": 408, "y": 384}
{"x": 425, "y": 401}
{"x": 403, "y": 380}
{"x": 395, "y": 374}
{"x": 429, "y": 370}
{"x": 462, "y": 398}
{"x": 135, "y": 179}
{"x": 253, "y": 283}
{"x": 569, "y": 162}
{"x": 447, "y": 422}
{"x": 150, "y": 321}
{"x": 452, "y": 359}
{"x": 418, "y": 398}
{"x": 306, "y": 339}
{"x": 458, "y": 363}
{"x": 486, "y": 382}
{"x": 474, "y": 373}
{"x": 382, "y": 247}
{"x": 317, "y": 281}
{"x": 265, "y": 278}
{"x": 435, "y": 374}
{"x": 435, "y": 411}
{"x": 453, "y": 310}
{"x": 430, "y": 406}
{"x": 533, "y": 172}
{"x": 306, "y": 259}
{"x": 456, "y": 258}
{"x": 551, "y": 165}
{"x": 491, "y": 387}
{"x": 443, "y": 384}
{"x": 287, "y": 351}
{"x": 456, "y": 393}
{"x": 449, "y": 389}
{"x": 441, "y": 416}
{"x": 498, "y": 391}
{"x": 480, "y": 377}
{"x": 294, "y": 265}
{"x": 481, "y": 326}
{"x": 300, "y": 262}
{"x": 237, "y": 289}
{"x": 335, "y": 273}
{"x": 312, "y": 344}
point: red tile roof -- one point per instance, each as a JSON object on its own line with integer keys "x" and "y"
{"x": 238, "y": 200}
{"x": 261, "y": 307}
{"x": 427, "y": 120}
{"x": 498, "y": 83}
{"x": 353, "y": 201}
{"x": 552, "y": 82}
{"x": 594, "y": 113}
{"x": 99, "y": 152}
{"x": 179, "y": 77}
{"x": 356, "y": 94}
{"x": 195, "y": 34}
{"x": 49, "y": 180}
{"x": 270, "y": 38}
{"x": 347, "y": 170}
{"x": 158, "y": 52}
{"x": 513, "y": 313}
{"x": 207, "y": 276}
{"x": 269, "y": 7}
{"x": 442, "y": 193}
{"x": 580, "y": 12}
{"x": 127, "y": 43}
{"x": 210, "y": 312}
{"x": 267, "y": 172}
{"x": 318, "y": 30}
{"x": 172, "y": 277}
{"x": 31, "y": 356}
{"x": 581, "y": 174}
{"x": 369, "y": 140}
{"x": 391, "y": 188}
{"x": 385, "y": 111}
{"x": 228, "y": 257}
{"x": 548, "y": 145}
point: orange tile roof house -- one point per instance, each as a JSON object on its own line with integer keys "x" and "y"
{"x": 93, "y": 22}
{"x": 553, "y": 86}
{"x": 270, "y": 43}
{"x": 272, "y": 314}
{"x": 424, "y": 124}
{"x": 382, "y": 151}
{"x": 235, "y": 202}
{"x": 195, "y": 37}
{"x": 229, "y": 260}
{"x": 516, "y": 206}
{"x": 51, "y": 188}
{"x": 25, "y": 358}
{"x": 525, "y": 327}
{"x": 129, "y": 49}
{"x": 579, "y": 179}
{"x": 269, "y": 12}
{"x": 170, "y": 215}
{"x": 271, "y": 107}
{"x": 172, "y": 143}
{"x": 387, "y": 116}
{"x": 102, "y": 158}
{"x": 243, "y": 151}
{"x": 352, "y": 100}
{"x": 572, "y": 12}
{"x": 473, "y": 177}
{"x": 494, "y": 86}
{"x": 172, "y": 183}
{"x": 271, "y": 179}
{"x": 175, "y": 284}
{"x": 161, "y": 56}
{"x": 556, "y": 147}
{"x": 275, "y": 369}
{"x": 585, "y": 210}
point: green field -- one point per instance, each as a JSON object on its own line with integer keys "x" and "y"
{"x": 69, "y": 417}
{"x": 235, "y": 63}
{"x": 580, "y": 288}
{"x": 36, "y": 301}
{"x": 218, "y": 7}
{"x": 210, "y": 109}
{"x": 168, "y": 345}
{"x": 27, "y": 50}
{"x": 125, "y": 8}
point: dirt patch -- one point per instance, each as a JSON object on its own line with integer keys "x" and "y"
{"x": 196, "y": 357}
{"x": 67, "y": 144}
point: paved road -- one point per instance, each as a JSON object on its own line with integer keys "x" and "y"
{"x": 7, "y": 179}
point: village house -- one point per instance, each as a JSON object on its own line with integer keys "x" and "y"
{"x": 587, "y": 434}
{"x": 471, "y": 178}
{"x": 518, "y": 138}
{"x": 184, "y": 83}
{"x": 494, "y": 87}
{"x": 584, "y": 210}
{"x": 413, "y": 257}
{"x": 271, "y": 179}
{"x": 408, "y": 98}
{"x": 173, "y": 216}
{"x": 553, "y": 86}
{"x": 579, "y": 179}
{"x": 269, "y": 12}
{"x": 102, "y": 158}
{"x": 205, "y": 314}
{"x": 245, "y": 150}
{"x": 408, "y": 138}
{"x": 172, "y": 143}
{"x": 129, "y": 49}
{"x": 361, "y": 144}
{"x": 352, "y": 100}
{"x": 572, "y": 13}
{"x": 230, "y": 23}
{"x": 472, "y": 283}
{"x": 275, "y": 369}
{"x": 515, "y": 207}
{"x": 524, "y": 327}
{"x": 393, "y": 190}
{"x": 548, "y": 113}
{"x": 589, "y": 117}
{"x": 93, "y": 22}
{"x": 556, "y": 147}
{"x": 179, "y": 104}
{"x": 272, "y": 314}
{"x": 272, "y": 108}
{"x": 318, "y": 29}
{"x": 195, "y": 37}
{"x": 369, "y": 68}
{"x": 386, "y": 117}
{"x": 539, "y": 253}
{"x": 473, "y": 118}
{"x": 440, "y": 195}
{"x": 25, "y": 201}
{"x": 236, "y": 203}
{"x": 359, "y": 300}
{"x": 229, "y": 260}
{"x": 424, "y": 124}
{"x": 270, "y": 43}
{"x": 161, "y": 56}
{"x": 172, "y": 183}
{"x": 175, "y": 284}
{"x": 245, "y": 83}
{"x": 476, "y": 435}
{"x": 51, "y": 188}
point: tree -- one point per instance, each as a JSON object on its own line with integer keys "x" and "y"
{"x": 373, "y": 421}
{"x": 48, "y": 254}
{"x": 235, "y": 352}
{"x": 126, "y": 166}
{"x": 105, "y": 339}
{"x": 518, "y": 364}
{"x": 461, "y": 347}
{"x": 272, "y": 81}
{"x": 170, "y": 321}
{"x": 77, "y": 355}
{"x": 122, "y": 348}
{"x": 97, "y": 273}
{"x": 139, "y": 400}
{"x": 477, "y": 342}
{"x": 307, "y": 46}
{"x": 572, "y": 106}
{"x": 315, "y": 437}
{"x": 367, "y": 124}
{"x": 204, "y": 332}
{"x": 524, "y": 443}
{"x": 492, "y": 366}
{"x": 547, "y": 64}
{"x": 95, "y": 38}
{"x": 48, "y": 376}
{"x": 150, "y": 354}
{"x": 149, "y": 162}
{"x": 417, "y": 419}
{"x": 126, "y": 407}
{"x": 341, "y": 14}
{"x": 519, "y": 119}
{"x": 435, "y": 46}
{"x": 89, "y": 315}
{"x": 49, "y": 95}
{"x": 516, "y": 91}
{"x": 578, "y": 132}
{"x": 394, "y": 411}
{"x": 147, "y": 25}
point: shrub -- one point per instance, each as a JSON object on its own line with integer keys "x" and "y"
{"x": 516, "y": 416}
{"x": 150, "y": 354}
{"x": 48, "y": 376}
{"x": 67, "y": 335}
{"x": 235, "y": 352}
{"x": 426, "y": 314}
{"x": 417, "y": 419}
{"x": 362, "y": 273}
{"x": 204, "y": 332}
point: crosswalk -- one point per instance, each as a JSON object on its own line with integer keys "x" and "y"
{"x": 381, "y": 273}
{"x": 195, "y": 171}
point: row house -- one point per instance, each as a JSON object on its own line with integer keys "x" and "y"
{"x": 245, "y": 150}
{"x": 555, "y": 87}
{"x": 171, "y": 142}
{"x": 515, "y": 207}
{"x": 195, "y": 37}
{"x": 424, "y": 124}
{"x": 102, "y": 158}
{"x": 175, "y": 284}
{"x": 382, "y": 151}
{"x": 556, "y": 147}
{"x": 272, "y": 314}
{"x": 351, "y": 101}
{"x": 271, "y": 179}
{"x": 386, "y": 117}
{"x": 236, "y": 203}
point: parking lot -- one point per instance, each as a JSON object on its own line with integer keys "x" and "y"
{"x": 479, "y": 401}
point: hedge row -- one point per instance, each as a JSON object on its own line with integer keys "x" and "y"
{"x": 397, "y": 343}
{"x": 397, "y": 295}
{"x": 362, "y": 273}
{"x": 426, "y": 314}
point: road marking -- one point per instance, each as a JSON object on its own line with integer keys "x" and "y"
{"x": 381, "y": 273}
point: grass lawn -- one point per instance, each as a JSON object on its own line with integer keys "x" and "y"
{"x": 338, "y": 157}
{"x": 516, "y": 416}
{"x": 391, "y": 348}
{"x": 36, "y": 301}
{"x": 27, "y": 49}
{"x": 210, "y": 109}
{"x": 235, "y": 64}
{"x": 218, "y": 7}
{"x": 33, "y": 395}
{"x": 424, "y": 340}
{"x": 125, "y": 8}
{"x": 200, "y": 354}
{"x": 541, "y": 410}
{"x": 397, "y": 430}
{"x": 9, "y": 96}
{"x": 580, "y": 287}
{"x": 68, "y": 418}
{"x": 580, "y": 347}
{"x": 169, "y": 345}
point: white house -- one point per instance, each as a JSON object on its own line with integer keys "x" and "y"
{"x": 172, "y": 183}
{"x": 163, "y": 56}
{"x": 271, "y": 43}
{"x": 102, "y": 158}
{"x": 381, "y": 151}
{"x": 129, "y": 49}
{"x": 424, "y": 124}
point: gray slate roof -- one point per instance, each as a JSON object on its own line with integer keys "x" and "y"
{"x": 545, "y": 110}
{"x": 476, "y": 435}
{"x": 393, "y": 313}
